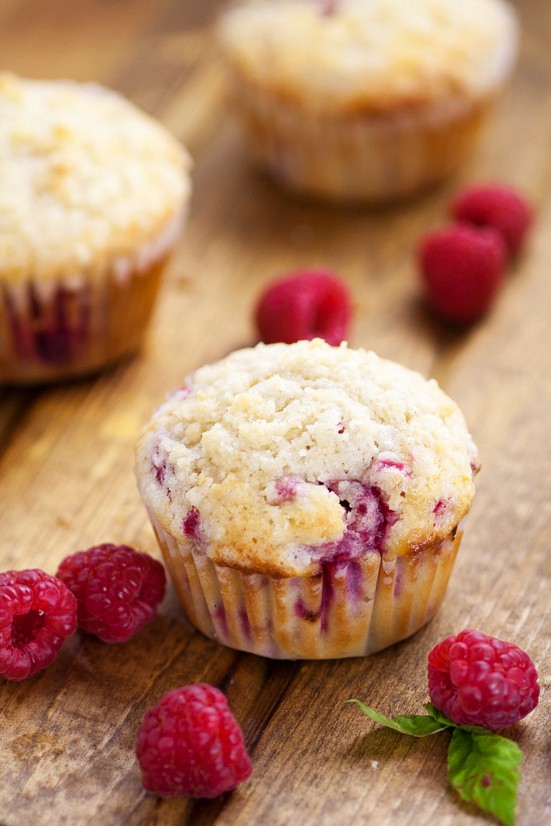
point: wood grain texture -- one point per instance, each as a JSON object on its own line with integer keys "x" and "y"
{"x": 66, "y": 479}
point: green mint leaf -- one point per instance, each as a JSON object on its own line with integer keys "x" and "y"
{"x": 437, "y": 715}
{"x": 483, "y": 768}
{"x": 418, "y": 725}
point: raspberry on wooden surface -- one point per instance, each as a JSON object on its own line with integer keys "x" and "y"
{"x": 37, "y": 613}
{"x": 477, "y": 680}
{"x": 190, "y": 744}
{"x": 496, "y": 206}
{"x": 462, "y": 270}
{"x": 117, "y": 589}
{"x": 306, "y": 304}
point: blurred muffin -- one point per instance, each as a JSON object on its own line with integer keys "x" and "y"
{"x": 307, "y": 499}
{"x": 366, "y": 101}
{"x": 94, "y": 193}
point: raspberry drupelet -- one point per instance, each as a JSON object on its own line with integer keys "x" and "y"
{"x": 37, "y": 613}
{"x": 477, "y": 680}
{"x": 190, "y": 744}
{"x": 117, "y": 589}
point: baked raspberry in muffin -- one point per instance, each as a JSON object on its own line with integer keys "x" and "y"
{"x": 366, "y": 101}
{"x": 308, "y": 499}
{"x": 93, "y": 197}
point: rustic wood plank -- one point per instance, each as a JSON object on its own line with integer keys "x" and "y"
{"x": 66, "y": 481}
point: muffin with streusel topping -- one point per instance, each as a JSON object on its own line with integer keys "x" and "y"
{"x": 366, "y": 101}
{"x": 93, "y": 196}
{"x": 307, "y": 499}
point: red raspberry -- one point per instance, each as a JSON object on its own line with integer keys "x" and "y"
{"x": 462, "y": 269}
{"x": 498, "y": 207}
{"x": 37, "y": 613}
{"x": 191, "y": 744}
{"x": 327, "y": 8}
{"x": 117, "y": 589}
{"x": 478, "y": 680}
{"x": 303, "y": 305}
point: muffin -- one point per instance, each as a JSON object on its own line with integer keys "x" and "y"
{"x": 93, "y": 196}
{"x": 366, "y": 101}
{"x": 308, "y": 499}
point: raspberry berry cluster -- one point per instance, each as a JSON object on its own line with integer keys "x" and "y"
{"x": 37, "y": 613}
{"x": 477, "y": 684}
{"x": 478, "y": 680}
{"x": 116, "y": 587}
{"x": 189, "y": 743}
{"x": 463, "y": 264}
{"x": 462, "y": 268}
{"x": 110, "y": 591}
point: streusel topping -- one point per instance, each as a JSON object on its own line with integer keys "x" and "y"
{"x": 282, "y": 456}
{"x": 345, "y": 55}
{"x": 87, "y": 178}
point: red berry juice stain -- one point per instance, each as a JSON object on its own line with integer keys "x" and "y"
{"x": 191, "y": 525}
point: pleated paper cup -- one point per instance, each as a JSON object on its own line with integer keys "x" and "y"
{"x": 347, "y": 609}
{"x": 69, "y": 327}
{"x": 360, "y": 158}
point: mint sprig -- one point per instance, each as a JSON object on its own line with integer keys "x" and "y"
{"x": 417, "y": 725}
{"x": 482, "y": 766}
{"x": 483, "y": 769}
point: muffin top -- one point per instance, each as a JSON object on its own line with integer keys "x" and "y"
{"x": 281, "y": 456}
{"x": 88, "y": 180}
{"x": 349, "y": 55}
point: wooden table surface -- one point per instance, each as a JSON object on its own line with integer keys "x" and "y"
{"x": 67, "y": 735}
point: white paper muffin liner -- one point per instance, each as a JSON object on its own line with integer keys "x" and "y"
{"x": 347, "y": 610}
{"x": 360, "y": 158}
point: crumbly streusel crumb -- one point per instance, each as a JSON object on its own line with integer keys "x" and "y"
{"x": 370, "y": 55}
{"x": 88, "y": 180}
{"x": 282, "y": 456}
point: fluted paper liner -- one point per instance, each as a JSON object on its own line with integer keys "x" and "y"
{"x": 360, "y": 157}
{"x": 73, "y": 326}
{"x": 346, "y": 610}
